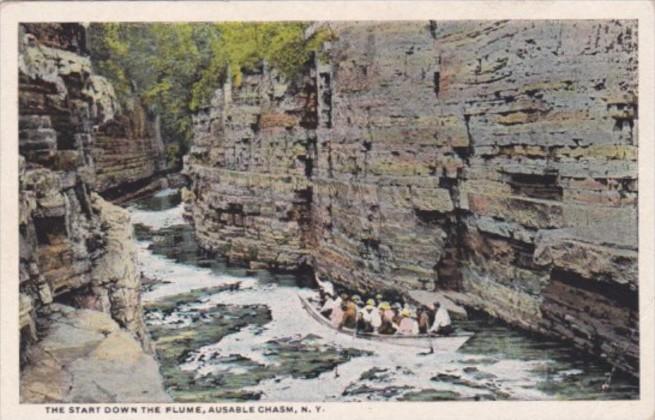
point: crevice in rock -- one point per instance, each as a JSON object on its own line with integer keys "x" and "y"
{"x": 542, "y": 186}
{"x": 623, "y": 296}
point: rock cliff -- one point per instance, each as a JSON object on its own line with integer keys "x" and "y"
{"x": 252, "y": 157}
{"x": 76, "y": 249}
{"x": 495, "y": 158}
{"x": 128, "y": 152}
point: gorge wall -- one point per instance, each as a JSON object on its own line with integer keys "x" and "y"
{"x": 495, "y": 158}
{"x": 128, "y": 152}
{"x": 81, "y": 319}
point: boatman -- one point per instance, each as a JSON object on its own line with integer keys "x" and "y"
{"x": 330, "y": 304}
{"x": 442, "y": 324}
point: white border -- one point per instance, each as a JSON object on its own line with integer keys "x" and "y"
{"x": 12, "y": 13}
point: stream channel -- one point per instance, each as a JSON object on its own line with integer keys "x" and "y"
{"x": 255, "y": 342}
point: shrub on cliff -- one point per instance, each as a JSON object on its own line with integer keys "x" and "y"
{"x": 175, "y": 67}
{"x": 286, "y": 46}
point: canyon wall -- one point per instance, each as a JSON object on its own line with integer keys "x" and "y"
{"x": 79, "y": 287}
{"x": 251, "y": 163}
{"x": 128, "y": 152}
{"x": 495, "y": 158}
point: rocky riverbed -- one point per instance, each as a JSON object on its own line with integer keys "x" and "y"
{"x": 226, "y": 335}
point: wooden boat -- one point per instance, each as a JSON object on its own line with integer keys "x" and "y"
{"x": 439, "y": 343}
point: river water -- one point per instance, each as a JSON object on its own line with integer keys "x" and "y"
{"x": 217, "y": 342}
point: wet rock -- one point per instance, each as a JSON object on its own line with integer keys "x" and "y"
{"x": 444, "y": 377}
{"x": 374, "y": 374}
{"x": 494, "y": 391}
{"x": 430, "y": 395}
{"x": 175, "y": 344}
{"x": 301, "y": 359}
{"x": 483, "y": 361}
{"x": 388, "y": 392}
{"x": 170, "y": 303}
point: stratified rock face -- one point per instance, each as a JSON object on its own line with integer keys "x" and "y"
{"x": 61, "y": 97}
{"x": 75, "y": 248}
{"x": 251, "y": 162}
{"x": 61, "y": 36}
{"x": 498, "y": 158}
{"x": 128, "y": 151}
{"x": 548, "y": 196}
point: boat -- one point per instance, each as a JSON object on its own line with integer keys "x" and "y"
{"x": 438, "y": 343}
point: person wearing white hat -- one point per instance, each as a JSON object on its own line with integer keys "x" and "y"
{"x": 371, "y": 316}
{"x": 408, "y": 325}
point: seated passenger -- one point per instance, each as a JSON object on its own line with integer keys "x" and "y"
{"x": 423, "y": 320}
{"x": 408, "y": 325}
{"x": 336, "y": 314}
{"x": 397, "y": 309}
{"x": 442, "y": 324}
{"x": 387, "y": 325}
{"x": 349, "y": 308}
{"x": 371, "y": 317}
{"x": 386, "y": 311}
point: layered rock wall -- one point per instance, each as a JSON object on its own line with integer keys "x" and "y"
{"x": 251, "y": 164}
{"x": 497, "y": 158}
{"x": 76, "y": 249}
{"x": 128, "y": 152}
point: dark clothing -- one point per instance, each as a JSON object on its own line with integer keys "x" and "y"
{"x": 446, "y": 330}
{"x": 423, "y": 322}
{"x": 364, "y": 326}
{"x": 387, "y": 327}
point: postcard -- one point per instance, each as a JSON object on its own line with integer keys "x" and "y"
{"x": 327, "y": 209}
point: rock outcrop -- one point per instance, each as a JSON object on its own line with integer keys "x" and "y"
{"x": 85, "y": 357}
{"x": 75, "y": 248}
{"x": 495, "y": 158}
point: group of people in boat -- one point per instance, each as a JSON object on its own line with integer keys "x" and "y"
{"x": 376, "y": 315}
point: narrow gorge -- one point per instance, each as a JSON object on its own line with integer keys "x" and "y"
{"x": 494, "y": 162}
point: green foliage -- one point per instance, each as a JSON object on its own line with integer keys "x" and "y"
{"x": 175, "y": 67}
{"x": 244, "y": 46}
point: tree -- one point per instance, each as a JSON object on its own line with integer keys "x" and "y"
{"x": 174, "y": 68}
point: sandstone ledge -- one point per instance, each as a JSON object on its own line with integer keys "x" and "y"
{"x": 85, "y": 357}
